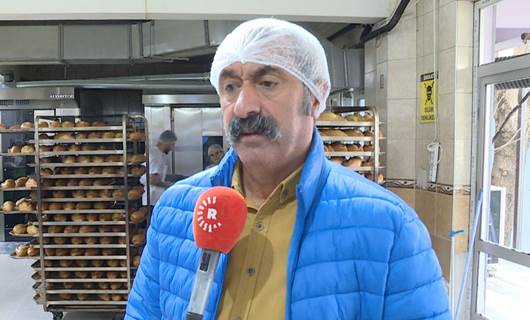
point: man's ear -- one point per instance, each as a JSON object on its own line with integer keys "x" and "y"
{"x": 314, "y": 107}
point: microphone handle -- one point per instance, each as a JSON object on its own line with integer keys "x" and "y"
{"x": 202, "y": 284}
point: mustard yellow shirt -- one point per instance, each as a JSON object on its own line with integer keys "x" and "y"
{"x": 256, "y": 277}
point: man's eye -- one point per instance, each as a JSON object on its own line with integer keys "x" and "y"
{"x": 229, "y": 88}
{"x": 268, "y": 84}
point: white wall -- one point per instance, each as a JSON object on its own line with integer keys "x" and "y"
{"x": 358, "y": 11}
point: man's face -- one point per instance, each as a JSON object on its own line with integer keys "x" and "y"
{"x": 166, "y": 147}
{"x": 216, "y": 156}
{"x": 263, "y": 112}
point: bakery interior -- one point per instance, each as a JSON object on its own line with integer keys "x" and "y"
{"x": 429, "y": 99}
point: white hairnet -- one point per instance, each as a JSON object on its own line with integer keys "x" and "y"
{"x": 276, "y": 43}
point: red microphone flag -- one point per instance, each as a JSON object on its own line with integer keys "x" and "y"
{"x": 219, "y": 219}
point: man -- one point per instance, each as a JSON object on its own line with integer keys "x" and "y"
{"x": 159, "y": 162}
{"x": 215, "y": 154}
{"x": 320, "y": 241}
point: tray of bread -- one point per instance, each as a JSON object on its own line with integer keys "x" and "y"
{"x": 74, "y": 152}
{"x": 76, "y": 141}
{"x": 22, "y": 205}
{"x": 25, "y": 251}
{"x": 110, "y": 263}
{"x": 25, "y": 230}
{"x": 60, "y": 212}
{"x": 17, "y": 128}
{"x": 77, "y": 187}
{"x": 81, "y": 148}
{"x": 20, "y": 184}
{"x": 362, "y": 119}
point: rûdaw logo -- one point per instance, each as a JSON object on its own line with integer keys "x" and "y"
{"x": 210, "y": 222}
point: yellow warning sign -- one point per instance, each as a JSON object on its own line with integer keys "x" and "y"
{"x": 427, "y": 96}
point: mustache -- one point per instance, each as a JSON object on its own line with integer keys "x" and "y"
{"x": 254, "y": 124}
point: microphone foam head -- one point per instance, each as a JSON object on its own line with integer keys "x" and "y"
{"x": 219, "y": 218}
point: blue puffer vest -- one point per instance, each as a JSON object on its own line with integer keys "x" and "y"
{"x": 357, "y": 251}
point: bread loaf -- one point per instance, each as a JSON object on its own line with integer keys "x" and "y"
{"x": 68, "y": 206}
{"x": 26, "y": 125}
{"x": 67, "y": 124}
{"x": 353, "y": 163}
{"x": 19, "y": 229}
{"x": 74, "y": 147}
{"x": 330, "y": 116}
{"x": 81, "y": 135}
{"x": 14, "y": 149}
{"x": 31, "y": 183}
{"x": 27, "y": 149}
{"x": 135, "y": 136}
{"x": 32, "y": 229}
{"x": 58, "y": 148}
{"x": 8, "y": 206}
{"x": 82, "y": 124}
{"x": 8, "y": 183}
{"x": 22, "y": 250}
{"x": 95, "y": 170}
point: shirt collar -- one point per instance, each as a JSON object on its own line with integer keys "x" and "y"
{"x": 284, "y": 193}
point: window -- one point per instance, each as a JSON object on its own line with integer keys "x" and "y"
{"x": 501, "y": 268}
{"x": 504, "y": 30}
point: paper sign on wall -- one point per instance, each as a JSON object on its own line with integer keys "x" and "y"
{"x": 427, "y": 96}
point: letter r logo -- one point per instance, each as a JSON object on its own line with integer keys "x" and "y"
{"x": 212, "y": 214}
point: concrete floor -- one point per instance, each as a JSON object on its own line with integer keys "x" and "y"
{"x": 16, "y": 294}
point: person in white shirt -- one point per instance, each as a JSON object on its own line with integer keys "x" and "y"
{"x": 159, "y": 162}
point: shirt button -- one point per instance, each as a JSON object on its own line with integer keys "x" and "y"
{"x": 259, "y": 226}
{"x": 251, "y": 271}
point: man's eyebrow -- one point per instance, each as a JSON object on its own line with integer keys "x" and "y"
{"x": 228, "y": 74}
{"x": 260, "y": 72}
{"x": 265, "y": 70}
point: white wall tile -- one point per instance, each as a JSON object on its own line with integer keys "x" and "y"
{"x": 402, "y": 79}
{"x": 369, "y": 56}
{"x": 401, "y": 119}
{"x": 410, "y": 11}
{"x": 463, "y": 115}
{"x": 400, "y": 159}
{"x": 464, "y": 69}
{"x": 419, "y": 36}
{"x": 447, "y": 26}
{"x": 427, "y": 6}
{"x": 428, "y": 34}
{"x": 381, "y": 49}
{"x": 425, "y": 131}
{"x": 464, "y": 23}
{"x": 427, "y": 64}
{"x": 420, "y": 8}
{"x": 445, "y": 2}
{"x": 369, "y": 87}
{"x": 446, "y": 113}
{"x": 446, "y": 67}
{"x": 402, "y": 40}
{"x": 462, "y": 161}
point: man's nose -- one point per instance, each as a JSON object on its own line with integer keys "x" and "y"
{"x": 248, "y": 102}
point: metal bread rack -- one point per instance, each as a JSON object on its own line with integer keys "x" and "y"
{"x": 373, "y": 171}
{"x": 86, "y": 249}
